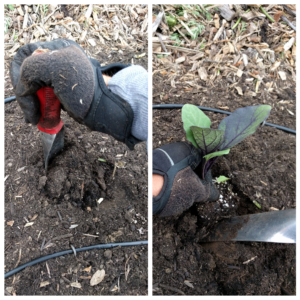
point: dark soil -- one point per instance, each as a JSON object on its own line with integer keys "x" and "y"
{"x": 261, "y": 168}
{"x": 67, "y": 195}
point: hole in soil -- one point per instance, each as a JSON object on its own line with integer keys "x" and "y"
{"x": 89, "y": 199}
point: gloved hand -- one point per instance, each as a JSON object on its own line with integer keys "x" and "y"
{"x": 182, "y": 187}
{"x": 78, "y": 83}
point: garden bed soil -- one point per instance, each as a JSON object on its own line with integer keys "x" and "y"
{"x": 67, "y": 195}
{"x": 261, "y": 168}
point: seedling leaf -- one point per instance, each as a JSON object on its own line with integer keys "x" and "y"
{"x": 222, "y": 178}
{"x": 101, "y": 159}
{"x": 241, "y": 123}
{"x": 214, "y": 154}
{"x": 207, "y": 139}
{"x": 193, "y": 117}
{"x": 257, "y": 204}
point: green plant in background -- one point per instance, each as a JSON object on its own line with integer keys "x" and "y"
{"x": 44, "y": 9}
{"x": 175, "y": 37}
{"x": 15, "y": 36}
{"x": 7, "y": 21}
{"x": 204, "y": 12}
{"x": 231, "y": 131}
{"x": 243, "y": 26}
{"x": 171, "y": 21}
{"x": 196, "y": 30}
{"x": 10, "y": 6}
{"x": 161, "y": 55}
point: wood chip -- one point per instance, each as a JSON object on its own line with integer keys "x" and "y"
{"x": 282, "y": 75}
{"x": 239, "y": 73}
{"x": 239, "y": 90}
{"x": 76, "y": 284}
{"x": 188, "y": 283}
{"x": 34, "y": 217}
{"x": 73, "y": 226}
{"x": 21, "y": 169}
{"x": 29, "y": 224}
{"x": 97, "y": 277}
{"x": 10, "y": 223}
{"x": 289, "y": 44}
{"x": 249, "y": 260}
{"x": 275, "y": 66}
{"x": 252, "y": 15}
{"x": 226, "y": 12}
{"x": 202, "y": 73}
{"x": 85, "y": 277}
{"x": 44, "y": 283}
{"x": 180, "y": 60}
{"x": 92, "y": 42}
{"x": 88, "y": 269}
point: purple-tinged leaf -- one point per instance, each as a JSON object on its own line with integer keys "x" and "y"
{"x": 241, "y": 123}
{"x": 207, "y": 139}
{"x": 193, "y": 116}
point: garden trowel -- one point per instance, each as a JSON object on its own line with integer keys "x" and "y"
{"x": 50, "y": 124}
{"x": 275, "y": 227}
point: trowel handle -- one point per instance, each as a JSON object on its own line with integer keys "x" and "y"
{"x": 50, "y": 121}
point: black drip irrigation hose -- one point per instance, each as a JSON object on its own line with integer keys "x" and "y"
{"x": 9, "y": 99}
{"x": 99, "y": 246}
{"x": 171, "y": 106}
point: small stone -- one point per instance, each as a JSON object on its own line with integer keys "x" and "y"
{"x": 10, "y": 289}
{"x": 42, "y": 182}
{"x": 51, "y": 212}
{"x": 40, "y": 164}
{"x": 132, "y": 227}
{"x": 108, "y": 254}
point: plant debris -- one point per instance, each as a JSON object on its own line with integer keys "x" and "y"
{"x": 234, "y": 42}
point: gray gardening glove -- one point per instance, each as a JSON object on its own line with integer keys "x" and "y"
{"x": 182, "y": 187}
{"x": 78, "y": 83}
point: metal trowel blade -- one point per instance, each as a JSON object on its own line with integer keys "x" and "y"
{"x": 274, "y": 227}
{"x": 52, "y": 144}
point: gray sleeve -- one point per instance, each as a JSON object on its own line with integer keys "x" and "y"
{"x": 131, "y": 84}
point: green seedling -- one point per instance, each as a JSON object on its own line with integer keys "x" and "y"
{"x": 222, "y": 179}
{"x": 257, "y": 204}
{"x": 102, "y": 160}
{"x": 231, "y": 131}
